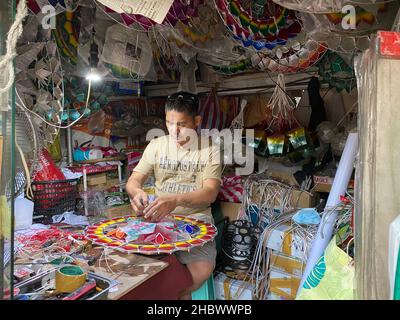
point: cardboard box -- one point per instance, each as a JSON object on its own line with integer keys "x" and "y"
{"x": 100, "y": 187}
{"x": 283, "y": 176}
{"x": 283, "y": 284}
{"x": 273, "y": 296}
{"x": 287, "y": 264}
{"x": 230, "y": 210}
{"x": 324, "y": 183}
{"x": 119, "y": 211}
{"x": 301, "y": 199}
{"x": 231, "y": 289}
{"x": 284, "y": 241}
{"x": 96, "y": 179}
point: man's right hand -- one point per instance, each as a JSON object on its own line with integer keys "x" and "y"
{"x": 139, "y": 201}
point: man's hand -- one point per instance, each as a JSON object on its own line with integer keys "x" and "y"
{"x": 139, "y": 201}
{"x": 160, "y": 207}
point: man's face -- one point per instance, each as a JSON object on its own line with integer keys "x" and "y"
{"x": 181, "y": 126}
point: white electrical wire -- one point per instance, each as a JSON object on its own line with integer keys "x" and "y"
{"x": 271, "y": 196}
{"x": 22, "y": 104}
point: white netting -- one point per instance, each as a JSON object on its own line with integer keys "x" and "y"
{"x": 323, "y": 6}
{"x": 128, "y": 49}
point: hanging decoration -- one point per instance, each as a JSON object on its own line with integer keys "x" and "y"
{"x": 343, "y": 38}
{"x": 207, "y": 41}
{"x": 282, "y": 108}
{"x": 336, "y": 72}
{"x": 292, "y": 57}
{"x": 277, "y": 26}
{"x": 39, "y": 85}
{"x": 133, "y": 235}
{"x": 165, "y": 55}
{"x": 313, "y": 6}
{"x": 66, "y": 35}
{"x": 323, "y": 6}
{"x": 35, "y": 6}
{"x": 234, "y": 68}
{"x": 283, "y": 133}
{"x": 127, "y": 52}
{"x": 167, "y": 67}
{"x": 76, "y": 97}
{"x": 179, "y": 11}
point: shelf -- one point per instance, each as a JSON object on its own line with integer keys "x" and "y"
{"x": 120, "y": 158}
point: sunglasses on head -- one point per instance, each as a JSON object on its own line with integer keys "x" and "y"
{"x": 181, "y": 97}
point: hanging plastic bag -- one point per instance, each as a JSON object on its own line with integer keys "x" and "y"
{"x": 46, "y": 169}
{"x": 332, "y": 278}
{"x": 55, "y": 149}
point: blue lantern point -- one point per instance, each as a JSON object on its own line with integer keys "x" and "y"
{"x": 188, "y": 229}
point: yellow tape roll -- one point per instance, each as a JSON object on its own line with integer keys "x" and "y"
{"x": 69, "y": 278}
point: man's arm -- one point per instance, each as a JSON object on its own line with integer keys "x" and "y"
{"x": 136, "y": 194}
{"x": 197, "y": 199}
{"x": 200, "y": 198}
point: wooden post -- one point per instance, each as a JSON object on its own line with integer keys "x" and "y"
{"x": 377, "y": 201}
{"x": 1, "y": 154}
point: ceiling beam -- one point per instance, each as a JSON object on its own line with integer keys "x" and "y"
{"x": 239, "y": 84}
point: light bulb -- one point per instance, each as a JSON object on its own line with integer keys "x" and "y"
{"x": 93, "y": 75}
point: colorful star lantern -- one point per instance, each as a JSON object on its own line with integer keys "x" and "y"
{"x": 345, "y": 35}
{"x": 362, "y": 15}
{"x": 66, "y": 35}
{"x": 315, "y": 6}
{"x": 292, "y": 59}
{"x": 134, "y": 235}
{"x": 275, "y": 28}
{"x": 336, "y": 72}
{"x": 180, "y": 11}
{"x": 234, "y": 68}
{"x": 324, "y": 7}
{"x": 35, "y": 6}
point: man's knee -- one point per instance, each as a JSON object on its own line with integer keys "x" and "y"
{"x": 200, "y": 271}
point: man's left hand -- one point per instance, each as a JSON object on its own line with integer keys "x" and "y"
{"x": 160, "y": 208}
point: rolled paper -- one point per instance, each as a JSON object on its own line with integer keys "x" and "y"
{"x": 339, "y": 188}
{"x": 70, "y": 278}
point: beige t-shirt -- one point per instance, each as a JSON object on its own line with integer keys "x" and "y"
{"x": 180, "y": 169}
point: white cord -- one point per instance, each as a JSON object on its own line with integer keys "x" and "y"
{"x": 280, "y": 106}
{"x": 51, "y": 124}
{"x": 12, "y": 37}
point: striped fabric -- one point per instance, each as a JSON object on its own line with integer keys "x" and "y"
{"x": 218, "y": 112}
{"x": 231, "y": 189}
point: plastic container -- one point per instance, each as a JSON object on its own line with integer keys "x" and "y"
{"x": 54, "y": 197}
{"x": 23, "y": 209}
{"x": 83, "y": 154}
{"x": 36, "y": 282}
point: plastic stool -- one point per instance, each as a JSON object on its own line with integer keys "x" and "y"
{"x": 206, "y": 291}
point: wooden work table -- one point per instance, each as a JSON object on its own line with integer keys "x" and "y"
{"x": 129, "y": 270}
{"x": 159, "y": 277}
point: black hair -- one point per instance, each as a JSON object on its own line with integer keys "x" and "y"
{"x": 183, "y": 102}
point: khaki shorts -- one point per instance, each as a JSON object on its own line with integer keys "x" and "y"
{"x": 207, "y": 252}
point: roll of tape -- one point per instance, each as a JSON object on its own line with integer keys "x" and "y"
{"x": 70, "y": 278}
